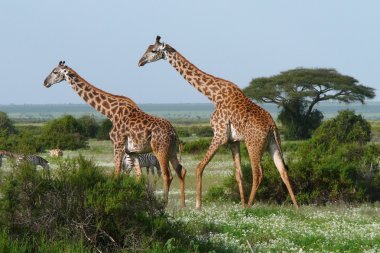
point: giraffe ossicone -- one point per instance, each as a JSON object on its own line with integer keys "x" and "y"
{"x": 133, "y": 131}
{"x": 236, "y": 118}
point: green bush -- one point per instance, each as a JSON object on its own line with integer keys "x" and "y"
{"x": 80, "y": 201}
{"x": 183, "y": 131}
{"x": 65, "y": 133}
{"x": 104, "y": 130}
{"x": 200, "y": 146}
{"x": 202, "y": 131}
{"x": 81, "y": 208}
{"x": 6, "y": 125}
{"x": 26, "y": 139}
{"x": 89, "y": 126}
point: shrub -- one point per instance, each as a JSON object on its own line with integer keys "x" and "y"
{"x": 202, "y": 131}
{"x": 83, "y": 206}
{"x": 64, "y": 132}
{"x": 347, "y": 127}
{"x": 6, "y": 125}
{"x": 183, "y": 131}
{"x": 26, "y": 139}
{"x": 89, "y": 126}
{"x": 104, "y": 130}
{"x": 200, "y": 146}
{"x": 80, "y": 201}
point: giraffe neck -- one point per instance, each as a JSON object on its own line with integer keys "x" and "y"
{"x": 103, "y": 102}
{"x": 205, "y": 83}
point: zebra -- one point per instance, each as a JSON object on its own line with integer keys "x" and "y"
{"x": 147, "y": 160}
{"x": 34, "y": 160}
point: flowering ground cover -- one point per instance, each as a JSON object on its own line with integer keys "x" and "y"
{"x": 263, "y": 228}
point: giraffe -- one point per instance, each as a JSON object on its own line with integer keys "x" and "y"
{"x": 133, "y": 131}
{"x": 236, "y": 118}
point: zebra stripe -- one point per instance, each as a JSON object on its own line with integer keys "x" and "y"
{"x": 149, "y": 161}
{"x": 34, "y": 160}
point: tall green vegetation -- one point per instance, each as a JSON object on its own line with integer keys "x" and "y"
{"x": 81, "y": 208}
{"x": 338, "y": 164}
{"x": 104, "y": 130}
{"x": 6, "y": 125}
{"x": 65, "y": 133}
{"x": 298, "y": 91}
{"x": 19, "y": 140}
{"x": 89, "y": 126}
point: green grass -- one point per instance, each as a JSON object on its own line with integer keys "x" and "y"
{"x": 280, "y": 228}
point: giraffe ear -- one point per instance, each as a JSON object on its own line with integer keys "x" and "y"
{"x": 158, "y": 39}
{"x": 163, "y": 45}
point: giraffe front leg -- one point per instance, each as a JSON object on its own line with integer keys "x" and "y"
{"x": 118, "y": 157}
{"x": 136, "y": 166}
{"x": 118, "y": 140}
{"x": 215, "y": 144}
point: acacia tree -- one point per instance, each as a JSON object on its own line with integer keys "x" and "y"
{"x": 299, "y": 90}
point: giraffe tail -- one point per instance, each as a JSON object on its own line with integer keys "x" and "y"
{"x": 277, "y": 141}
{"x": 180, "y": 148}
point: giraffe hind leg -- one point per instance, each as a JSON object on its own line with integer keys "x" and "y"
{"x": 281, "y": 167}
{"x": 181, "y": 173}
{"x": 235, "y": 149}
{"x": 166, "y": 174}
{"x": 255, "y": 154}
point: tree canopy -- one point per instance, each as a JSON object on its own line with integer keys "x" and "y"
{"x": 299, "y": 90}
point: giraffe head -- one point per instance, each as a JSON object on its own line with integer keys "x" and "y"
{"x": 57, "y": 75}
{"x": 155, "y": 52}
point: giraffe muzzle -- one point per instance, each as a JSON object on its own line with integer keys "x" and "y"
{"x": 142, "y": 62}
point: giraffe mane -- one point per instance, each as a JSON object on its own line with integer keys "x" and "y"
{"x": 100, "y": 90}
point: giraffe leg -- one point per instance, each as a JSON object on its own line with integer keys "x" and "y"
{"x": 119, "y": 149}
{"x": 235, "y": 148}
{"x": 118, "y": 157}
{"x": 166, "y": 174}
{"x": 216, "y": 142}
{"x": 181, "y": 173}
{"x": 255, "y": 153}
{"x": 281, "y": 167}
{"x": 136, "y": 166}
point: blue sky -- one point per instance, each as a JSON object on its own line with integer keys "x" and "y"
{"x": 235, "y": 40}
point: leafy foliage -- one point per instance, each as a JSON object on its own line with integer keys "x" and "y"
{"x": 104, "y": 130}
{"x": 89, "y": 126}
{"x": 6, "y": 125}
{"x": 65, "y": 133}
{"x": 24, "y": 139}
{"x": 297, "y": 91}
{"x": 107, "y": 213}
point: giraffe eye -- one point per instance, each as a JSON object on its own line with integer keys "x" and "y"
{"x": 154, "y": 51}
